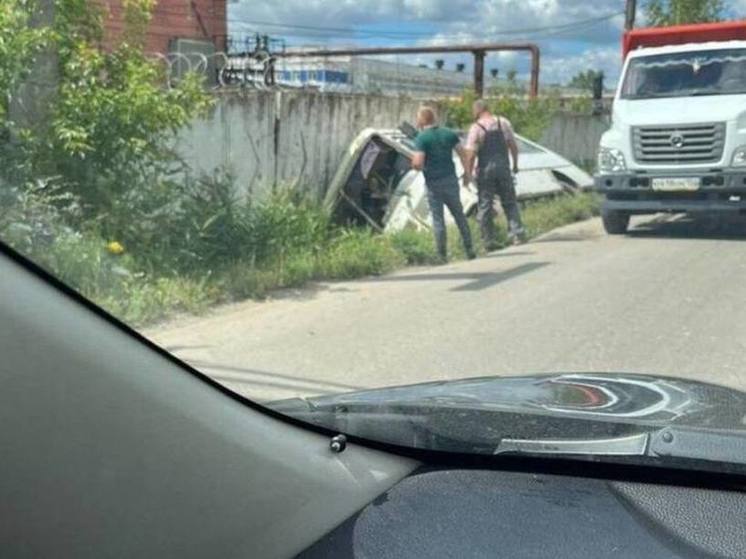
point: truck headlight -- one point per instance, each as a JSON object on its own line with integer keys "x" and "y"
{"x": 611, "y": 160}
{"x": 739, "y": 157}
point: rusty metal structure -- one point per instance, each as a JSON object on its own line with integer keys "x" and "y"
{"x": 479, "y": 51}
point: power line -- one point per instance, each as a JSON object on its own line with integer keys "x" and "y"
{"x": 308, "y": 31}
{"x": 414, "y": 34}
{"x": 314, "y": 31}
{"x": 342, "y": 30}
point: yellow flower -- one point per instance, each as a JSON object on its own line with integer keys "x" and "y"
{"x": 115, "y": 248}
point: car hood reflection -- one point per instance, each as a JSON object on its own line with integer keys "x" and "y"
{"x": 467, "y": 413}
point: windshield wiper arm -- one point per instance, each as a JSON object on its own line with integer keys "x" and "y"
{"x": 633, "y": 445}
{"x": 699, "y": 444}
{"x": 668, "y": 443}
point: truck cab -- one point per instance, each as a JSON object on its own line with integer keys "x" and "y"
{"x": 677, "y": 142}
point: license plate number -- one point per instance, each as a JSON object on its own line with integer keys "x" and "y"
{"x": 676, "y": 184}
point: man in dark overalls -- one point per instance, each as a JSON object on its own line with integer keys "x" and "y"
{"x": 492, "y": 143}
{"x": 433, "y": 154}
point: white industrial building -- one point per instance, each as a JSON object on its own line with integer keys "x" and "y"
{"x": 352, "y": 74}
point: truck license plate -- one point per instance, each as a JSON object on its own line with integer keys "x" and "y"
{"x": 676, "y": 184}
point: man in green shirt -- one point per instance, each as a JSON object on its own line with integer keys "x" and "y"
{"x": 434, "y": 156}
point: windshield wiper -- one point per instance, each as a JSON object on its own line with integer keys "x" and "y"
{"x": 669, "y": 443}
{"x": 699, "y": 444}
{"x": 634, "y": 445}
{"x": 644, "y": 96}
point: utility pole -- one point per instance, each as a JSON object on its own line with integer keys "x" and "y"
{"x": 629, "y": 15}
{"x": 479, "y": 73}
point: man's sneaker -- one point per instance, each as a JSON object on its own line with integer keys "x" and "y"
{"x": 471, "y": 255}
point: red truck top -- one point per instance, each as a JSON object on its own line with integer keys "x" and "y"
{"x": 681, "y": 34}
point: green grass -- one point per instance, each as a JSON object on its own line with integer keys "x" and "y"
{"x": 541, "y": 217}
{"x": 415, "y": 248}
{"x": 297, "y": 258}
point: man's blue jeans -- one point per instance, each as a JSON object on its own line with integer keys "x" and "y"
{"x": 445, "y": 192}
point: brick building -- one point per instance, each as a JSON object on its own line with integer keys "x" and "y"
{"x": 174, "y": 22}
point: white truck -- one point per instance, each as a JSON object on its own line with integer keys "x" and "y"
{"x": 677, "y": 142}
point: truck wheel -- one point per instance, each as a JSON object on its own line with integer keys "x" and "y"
{"x": 615, "y": 222}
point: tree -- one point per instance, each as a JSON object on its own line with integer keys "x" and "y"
{"x": 585, "y": 80}
{"x": 113, "y": 117}
{"x": 661, "y": 13}
{"x": 19, "y": 43}
{"x": 530, "y": 117}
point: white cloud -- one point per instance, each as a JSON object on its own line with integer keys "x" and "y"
{"x": 449, "y": 16}
{"x": 436, "y": 10}
{"x": 595, "y": 45}
{"x": 562, "y": 68}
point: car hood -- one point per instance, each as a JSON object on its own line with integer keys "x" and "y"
{"x": 678, "y": 110}
{"x": 473, "y": 413}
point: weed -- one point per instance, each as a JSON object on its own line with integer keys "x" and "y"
{"x": 416, "y": 248}
{"x": 359, "y": 252}
{"x": 231, "y": 250}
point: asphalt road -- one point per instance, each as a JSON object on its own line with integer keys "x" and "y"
{"x": 668, "y": 299}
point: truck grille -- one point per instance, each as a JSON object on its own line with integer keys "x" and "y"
{"x": 691, "y": 143}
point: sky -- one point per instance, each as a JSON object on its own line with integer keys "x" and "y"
{"x": 574, "y": 35}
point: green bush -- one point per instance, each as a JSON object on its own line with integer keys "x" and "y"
{"x": 359, "y": 252}
{"x": 84, "y": 262}
{"x": 19, "y": 43}
{"x": 200, "y": 225}
{"x": 142, "y": 301}
{"x": 529, "y": 117}
{"x": 299, "y": 269}
{"x": 243, "y": 281}
{"x": 33, "y": 215}
{"x": 33, "y": 221}
{"x": 415, "y": 247}
{"x": 285, "y": 224}
{"x": 282, "y": 242}
{"x": 544, "y": 216}
{"x": 112, "y": 117}
{"x": 205, "y": 225}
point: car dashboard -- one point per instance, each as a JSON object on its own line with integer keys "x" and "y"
{"x": 485, "y": 513}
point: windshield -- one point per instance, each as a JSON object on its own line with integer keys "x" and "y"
{"x": 402, "y": 221}
{"x": 683, "y": 74}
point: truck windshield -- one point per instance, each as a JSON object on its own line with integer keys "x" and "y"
{"x": 714, "y": 72}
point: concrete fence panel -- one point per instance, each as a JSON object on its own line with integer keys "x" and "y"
{"x": 271, "y": 139}
{"x": 236, "y": 136}
{"x": 576, "y": 136}
{"x": 275, "y": 139}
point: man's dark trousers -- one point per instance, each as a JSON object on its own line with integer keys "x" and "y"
{"x": 503, "y": 186}
{"x": 445, "y": 192}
